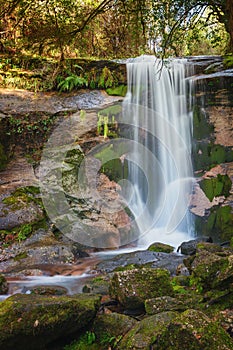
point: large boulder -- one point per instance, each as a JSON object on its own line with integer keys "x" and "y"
{"x": 132, "y": 287}
{"x": 40, "y": 320}
{"x": 191, "y": 330}
{"x": 212, "y": 269}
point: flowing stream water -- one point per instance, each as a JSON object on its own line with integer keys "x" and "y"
{"x": 158, "y": 106}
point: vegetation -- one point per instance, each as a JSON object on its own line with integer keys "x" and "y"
{"x": 109, "y": 28}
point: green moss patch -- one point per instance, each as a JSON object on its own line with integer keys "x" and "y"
{"x": 117, "y": 91}
{"x": 217, "y": 186}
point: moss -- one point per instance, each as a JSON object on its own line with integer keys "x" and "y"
{"x": 228, "y": 61}
{"x": 145, "y": 333}
{"x": 20, "y": 256}
{"x": 218, "y": 225}
{"x": 217, "y": 186}
{"x": 201, "y": 126}
{"x": 23, "y": 231}
{"x": 22, "y": 197}
{"x": 220, "y": 221}
{"x": 120, "y": 90}
{"x": 110, "y": 328}
{"x": 161, "y": 247}
{"x": 114, "y": 170}
{"x": 39, "y": 320}
{"x": 208, "y": 154}
{"x": 115, "y": 110}
{"x": 132, "y": 287}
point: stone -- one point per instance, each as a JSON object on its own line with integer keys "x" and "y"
{"x": 164, "y": 303}
{"x": 212, "y": 270}
{"x": 132, "y": 287}
{"x": 191, "y": 330}
{"x": 161, "y": 247}
{"x": 40, "y": 320}
{"x": 143, "y": 258}
{"x": 145, "y": 332}
{"x": 112, "y": 326}
{"x": 189, "y": 247}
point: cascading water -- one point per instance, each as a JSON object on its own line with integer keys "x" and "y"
{"x": 157, "y": 105}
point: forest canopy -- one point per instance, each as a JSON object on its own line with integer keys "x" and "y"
{"x": 116, "y": 28}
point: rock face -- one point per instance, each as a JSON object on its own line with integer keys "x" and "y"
{"x": 212, "y": 199}
{"x": 41, "y": 320}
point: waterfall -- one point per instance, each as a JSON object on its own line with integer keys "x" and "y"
{"x": 157, "y": 109}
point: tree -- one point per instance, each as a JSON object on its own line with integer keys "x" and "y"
{"x": 108, "y": 28}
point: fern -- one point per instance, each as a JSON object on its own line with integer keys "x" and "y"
{"x": 72, "y": 82}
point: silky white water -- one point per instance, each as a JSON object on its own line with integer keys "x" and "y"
{"x": 158, "y": 107}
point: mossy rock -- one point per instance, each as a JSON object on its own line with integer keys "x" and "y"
{"x": 218, "y": 225}
{"x": 132, "y": 287}
{"x": 161, "y": 304}
{"x": 114, "y": 170}
{"x": 207, "y": 154}
{"x": 191, "y": 330}
{"x": 220, "y": 221}
{"x": 3, "y": 285}
{"x": 39, "y": 320}
{"x": 217, "y": 186}
{"x": 211, "y": 270}
{"x": 202, "y": 128}
{"x": 110, "y": 328}
{"x": 161, "y": 247}
{"x": 145, "y": 332}
{"x": 120, "y": 90}
{"x": 98, "y": 285}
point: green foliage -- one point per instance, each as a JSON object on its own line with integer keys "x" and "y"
{"x": 24, "y": 232}
{"x": 228, "y": 61}
{"x": 72, "y": 82}
{"x": 85, "y": 342}
{"x": 117, "y": 91}
{"x": 106, "y": 125}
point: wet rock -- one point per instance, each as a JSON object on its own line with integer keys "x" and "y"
{"x": 132, "y": 287}
{"x": 39, "y": 320}
{"x": 142, "y": 258}
{"x": 191, "y": 330}
{"x": 189, "y": 247}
